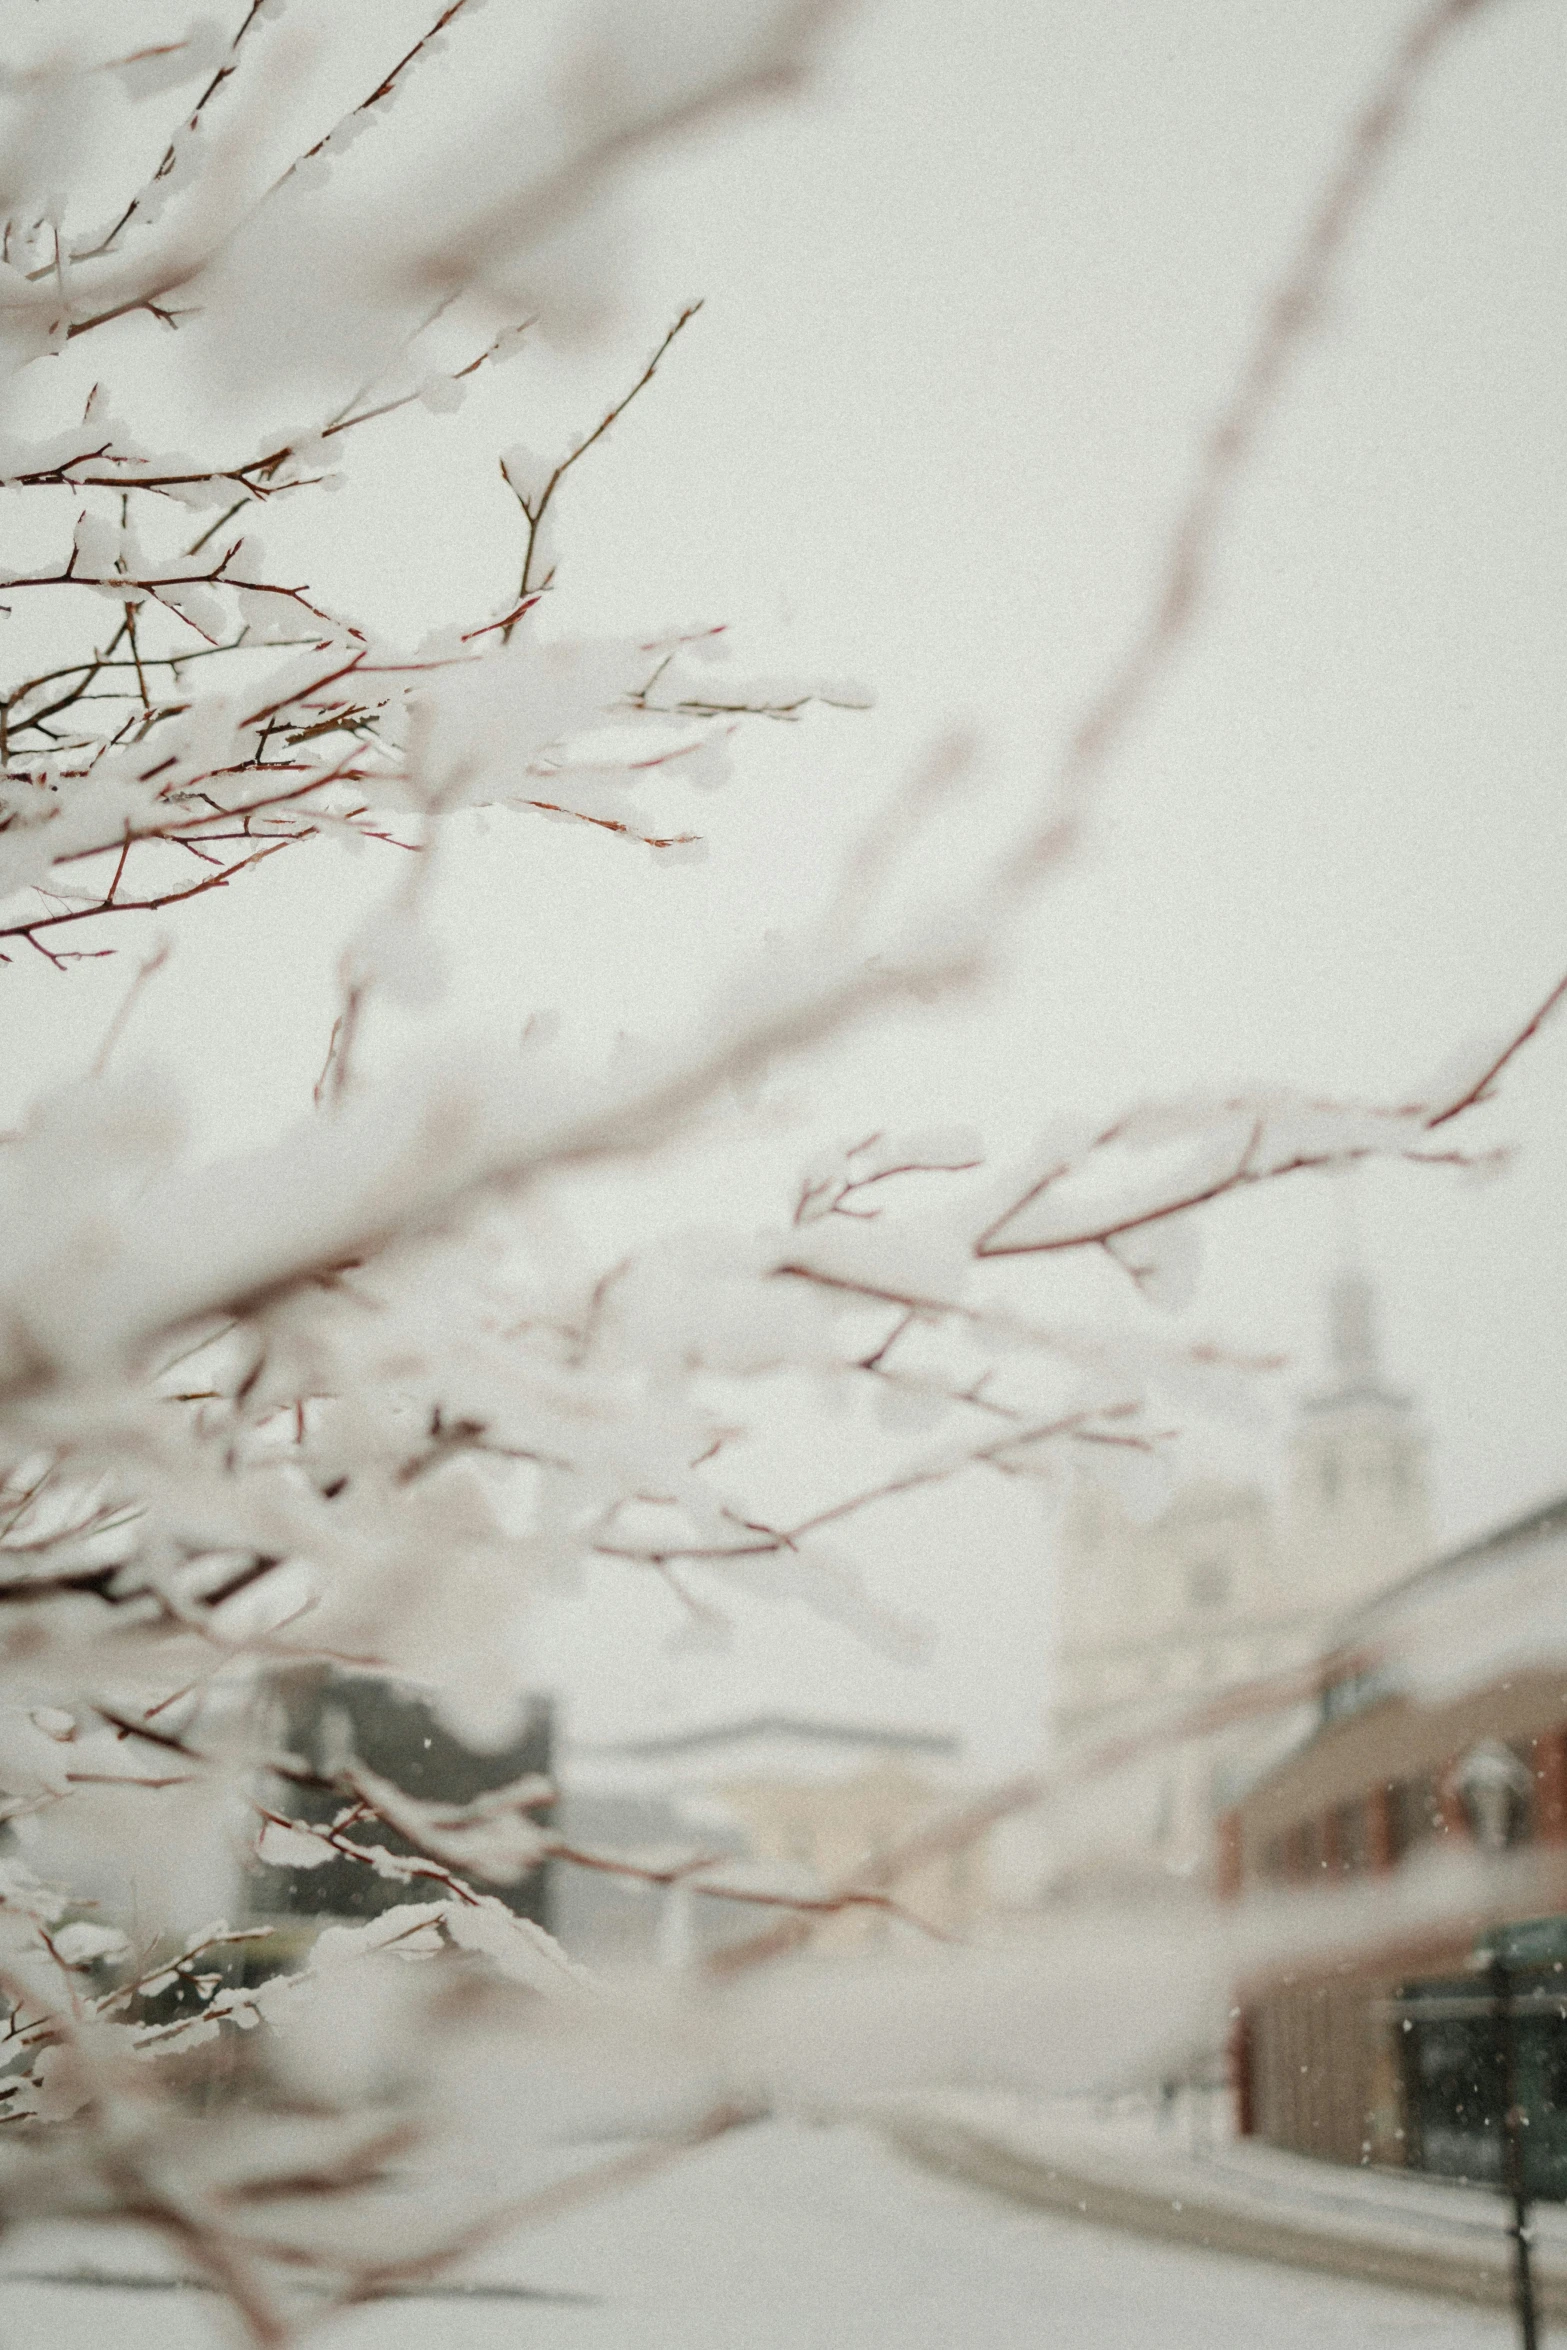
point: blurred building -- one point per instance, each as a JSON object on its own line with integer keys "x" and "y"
{"x": 1442, "y": 1724}
{"x": 1163, "y": 1618}
{"x": 771, "y": 1803}
{"x": 395, "y": 1731}
{"x": 778, "y": 1801}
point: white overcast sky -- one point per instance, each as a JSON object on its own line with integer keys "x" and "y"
{"x": 970, "y": 306}
{"x": 969, "y": 314}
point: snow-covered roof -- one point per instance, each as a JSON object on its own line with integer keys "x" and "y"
{"x": 1497, "y": 1601}
{"x": 770, "y": 1746}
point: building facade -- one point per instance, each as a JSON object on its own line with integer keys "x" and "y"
{"x": 1226, "y": 1587}
{"x": 781, "y": 1801}
{"x": 1442, "y": 1726}
{"x": 396, "y": 1732}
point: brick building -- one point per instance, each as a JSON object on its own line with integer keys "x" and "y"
{"x": 1443, "y": 1722}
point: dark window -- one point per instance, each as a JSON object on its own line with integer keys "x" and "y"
{"x": 1554, "y": 2074}
{"x": 396, "y": 1733}
{"x": 1417, "y": 1815}
{"x": 1353, "y": 1852}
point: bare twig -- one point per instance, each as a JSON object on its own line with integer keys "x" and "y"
{"x": 149, "y": 969}
{"x": 536, "y": 504}
{"x": 1185, "y": 573}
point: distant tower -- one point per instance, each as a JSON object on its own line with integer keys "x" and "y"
{"x": 1163, "y": 1616}
{"x": 1160, "y": 1617}
{"x": 1179, "y": 1606}
{"x": 1358, "y": 1504}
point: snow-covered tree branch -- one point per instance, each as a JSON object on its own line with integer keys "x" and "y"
{"x": 336, "y": 1401}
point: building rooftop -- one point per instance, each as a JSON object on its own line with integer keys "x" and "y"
{"x": 772, "y": 1745}
{"x": 1504, "y": 1547}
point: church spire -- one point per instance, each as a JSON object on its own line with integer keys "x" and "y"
{"x": 1358, "y": 1510}
{"x": 1352, "y": 1328}
{"x": 1352, "y": 1303}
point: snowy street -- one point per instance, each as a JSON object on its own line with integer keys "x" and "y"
{"x": 792, "y": 2238}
